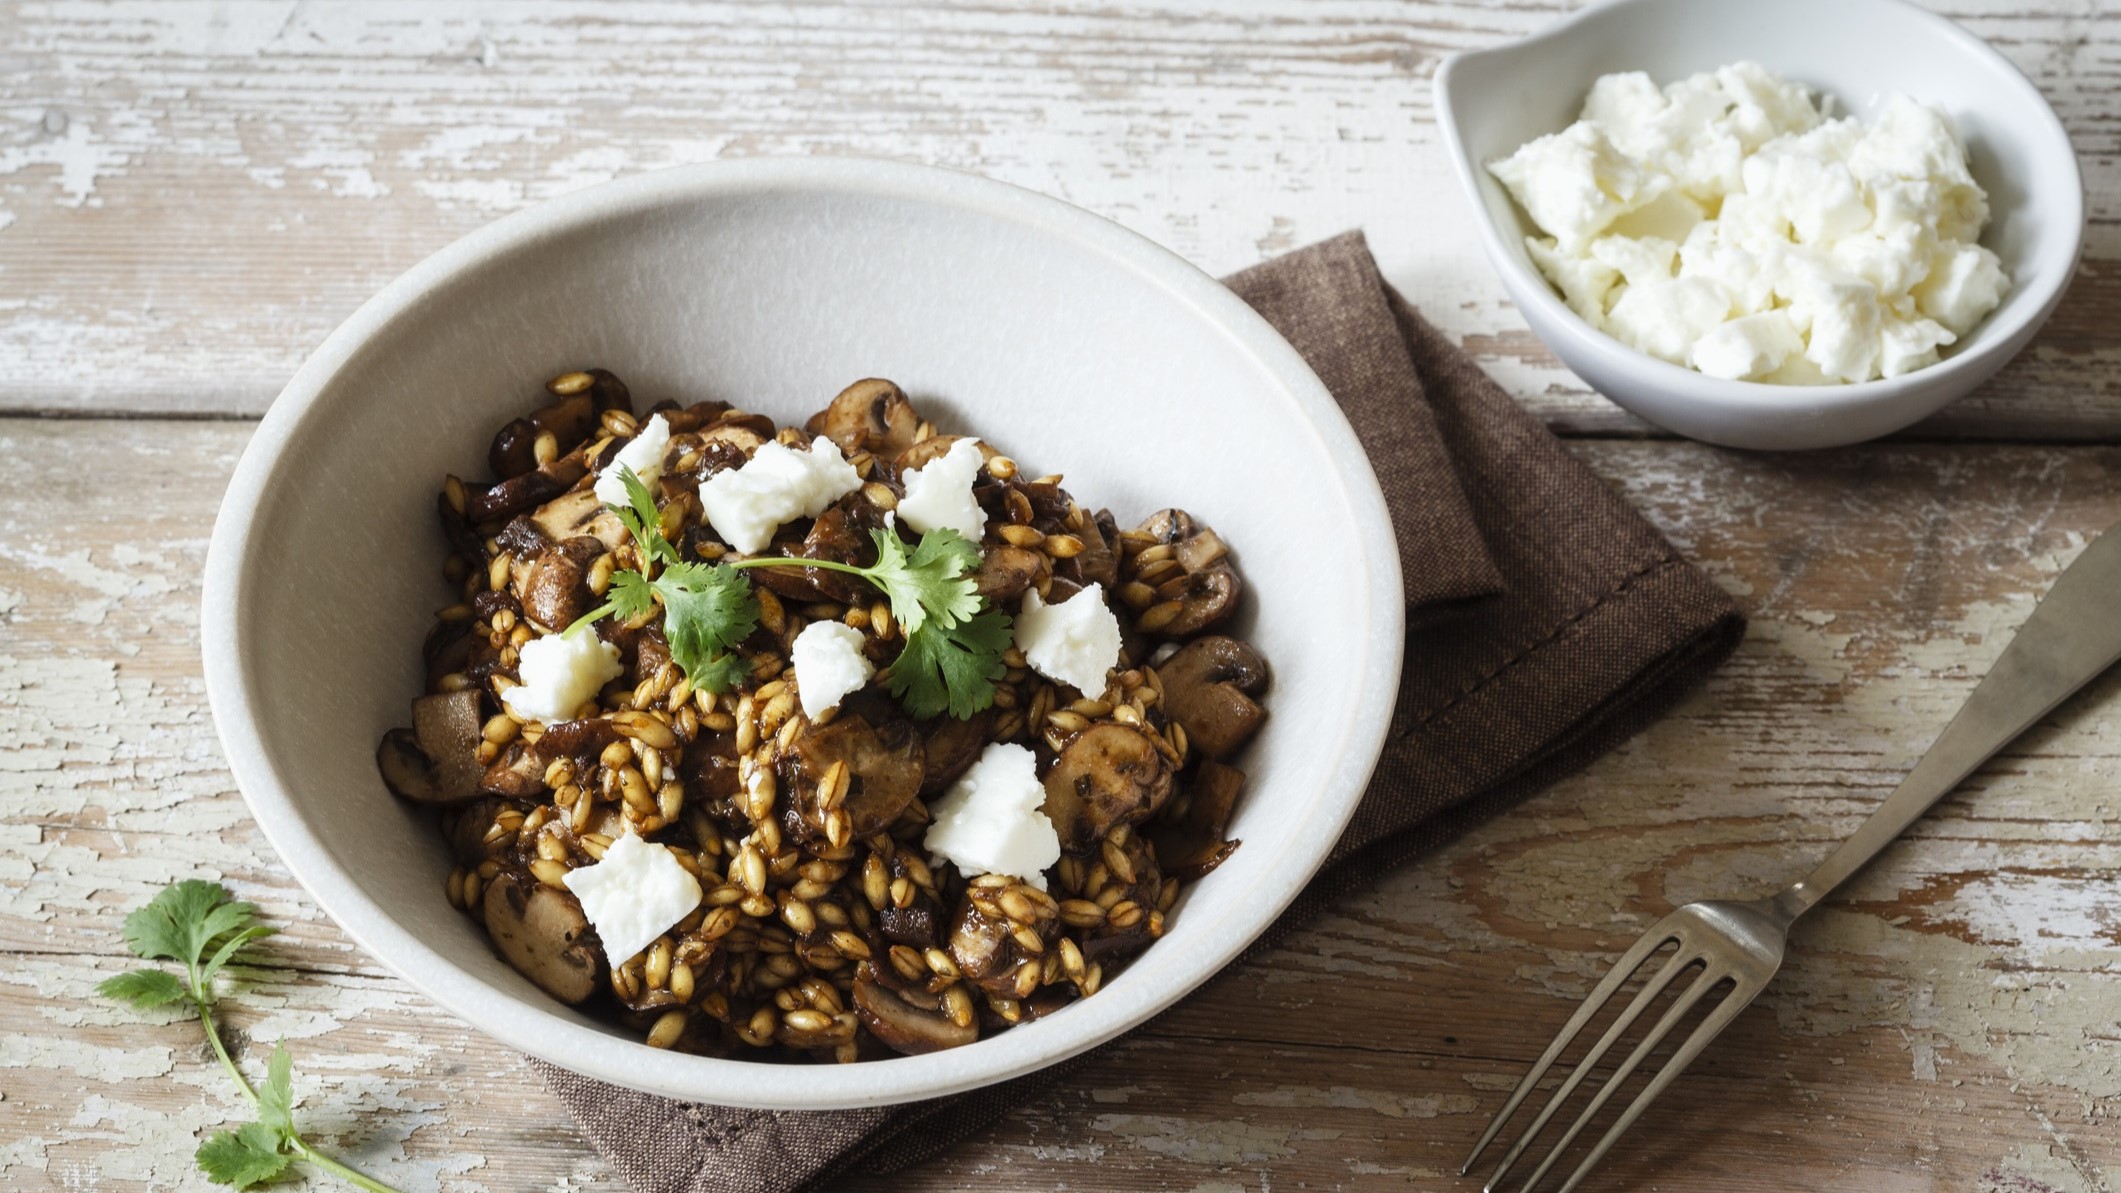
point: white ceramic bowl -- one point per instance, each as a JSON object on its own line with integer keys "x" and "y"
{"x": 1491, "y": 101}
{"x": 1072, "y": 343}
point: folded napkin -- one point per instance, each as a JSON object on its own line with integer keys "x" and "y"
{"x": 1547, "y": 622}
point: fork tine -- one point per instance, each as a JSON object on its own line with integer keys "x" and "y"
{"x": 1657, "y": 937}
{"x": 1687, "y": 1000}
{"x": 1709, "y": 1029}
{"x": 1674, "y": 965}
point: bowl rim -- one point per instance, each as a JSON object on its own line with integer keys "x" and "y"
{"x": 547, "y": 1030}
{"x": 1988, "y": 339}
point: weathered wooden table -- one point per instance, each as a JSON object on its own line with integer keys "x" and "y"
{"x": 192, "y": 195}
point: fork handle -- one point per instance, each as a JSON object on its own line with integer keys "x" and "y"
{"x": 2072, "y": 636}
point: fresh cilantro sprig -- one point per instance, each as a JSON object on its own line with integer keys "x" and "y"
{"x": 200, "y": 927}
{"x": 951, "y": 667}
{"x": 707, "y": 608}
{"x": 954, "y": 641}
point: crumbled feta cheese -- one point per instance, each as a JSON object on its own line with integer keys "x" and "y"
{"x": 1748, "y": 346}
{"x": 1573, "y": 183}
{"x": 1858, "y": 239}
{"x": 633, "y": 895}
{"x": 1075, "y": 642}
{"x": 992, "y": 820}
{"x": 829, "y": 663}
{"x": 777, "y": 484}
{"x": 643, "y": 453}
{"x": 939, "y": 493}
{"x": 560, "y": 673}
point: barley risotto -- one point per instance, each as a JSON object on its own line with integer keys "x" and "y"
{"x": 825, "y": 742}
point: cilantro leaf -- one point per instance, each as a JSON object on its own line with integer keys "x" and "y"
{"x": 228, "y": 951}
{"x": 276, "y": 1098}
{"x": 723, "y": 673}
{"x": 934, "y": 580}
{"x": 248, "y": 1156}
{"x": 707, "y": 610}
{"x": 952, "y": 667}
{"x": 642, "y": 520}
{"x": 631, "y": 594}
{"x": 144, "y": 989}
{"x": 182, "y": 921}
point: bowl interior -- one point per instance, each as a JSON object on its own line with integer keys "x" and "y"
{"x": 1056, "y": 336}
{"x": 1857, "y": 51}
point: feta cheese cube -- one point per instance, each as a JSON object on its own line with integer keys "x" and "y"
{"x": 776, "y": 485}
{"x": 560, "y": 673}
{"x": 643, "y": 453}
{"x": 939, "y": 493}
{"x": 1664, "y": 319}
{"x": 1573, "y": 183}
{"x": 992, "y": 820}
{"x": 1747, "y": 348}
{"x": 633, "y": 895}
{"x": 1075, "y": 642}
{"x": 1965, "y": 283}
{"x": 829, "y": 664}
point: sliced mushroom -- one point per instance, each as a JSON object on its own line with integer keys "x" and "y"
{"x": 437, "y": 760}
{"x": 517, "y": 773}
{"x": 1208, "y": 689}
{"x": 574, "y": 739}
{"x": 952, "y": 747}
{"x": 579, "y": 513}
{"x": 555, "y": 588}
{"x": 913, "y": 925}
{"x": 905, "y": 1028}
{"x": 541, "y": 931}
{"x": 712, "y": 783}
{"x": 883, "y": 767}
{"x": 1111, "y": 774}
{"x": 1191, "y": 588}
{"x": 871, "y": 415}
{"x": 934, "y": 448}
{"x": 520, "y": 494}
{"x": 987, "y": 950}
{"x": 840, "y": 534}
{"x": 1006, "y": 571}
{"x": 1195, "y": 843}
{"x": 568, "y": 420}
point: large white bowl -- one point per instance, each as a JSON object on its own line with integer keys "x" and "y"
{"x": 1072, "y": 343}
{"x": 1859, "y": 51}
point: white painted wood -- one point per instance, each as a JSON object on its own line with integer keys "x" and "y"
{"x": 192, "y": 195}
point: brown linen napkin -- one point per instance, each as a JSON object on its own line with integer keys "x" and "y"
{"x": 1547, "y": 623}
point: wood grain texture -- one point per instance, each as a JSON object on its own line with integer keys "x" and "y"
{"x": 193, "y": 194}
{"x": 1950, "y": 1022}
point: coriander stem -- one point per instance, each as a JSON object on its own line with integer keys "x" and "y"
{"x": 344, "y": 1172}
{"x": 213, "y": 1037}
{"x": 830, "y": 565}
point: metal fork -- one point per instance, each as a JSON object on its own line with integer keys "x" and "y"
{"x": 2072, "y": 636}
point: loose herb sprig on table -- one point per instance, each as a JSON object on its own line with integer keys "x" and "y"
{"x": 200, "y": 927}
{"x": 954, "y": 640}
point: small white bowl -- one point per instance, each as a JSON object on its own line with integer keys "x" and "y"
{"x": 1859, "y": 51}
{"x": 1072, "y": 343}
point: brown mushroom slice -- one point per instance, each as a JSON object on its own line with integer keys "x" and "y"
{"x": 520, "y": 494}
{"x": 952, "y": 746}
{"x": 1194, "y": 589}
{"x": 437, "y": 760}
{"x": 542, "y": 932}
{"x": 1110, "y": 774}
{"x": 871, "y": 415}
{"x": 934, "y": 448}
{"x": 1006, "y": 571}
{"x": 578, "y": 513}
{"x": 883, "y": 764}
{"x": 574, "y": 739}
{"x": 1195, "y": 844}
{"x": 1208, "y": 689}
{"x": 905, "y": 1028}
{"x": 517, "y": 773}
{"x": 555, "y": 587}
{"x": 568, "y": 421}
